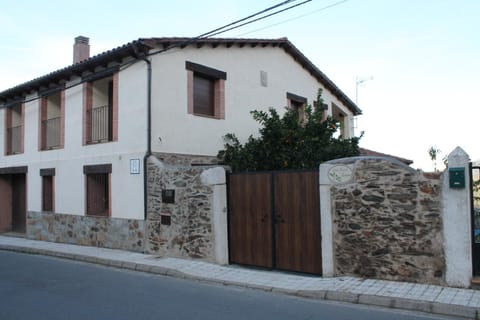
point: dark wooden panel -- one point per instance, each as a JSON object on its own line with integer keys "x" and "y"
{"x": 47, "y": 172}
{"x": 203, "y": 96}
{"x": 14, "y": 170}
{"x": 297, "y": 216}
{"x": 19, "y": 205}
{"x": 97, "y": 194}
{"x": 47, "y": 193}
{"x": 250, "y": 227}
{"x": 206, "y": 71}
{"x": 5, "y": 203}
{"x": 97, "y": 168}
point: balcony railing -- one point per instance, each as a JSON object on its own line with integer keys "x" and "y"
{"x": 101, "y": 124}
{"x": 51, "y": 133}
{"x": 14, "y": 140}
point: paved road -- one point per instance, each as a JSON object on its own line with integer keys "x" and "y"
{"x": 37, "y": 287}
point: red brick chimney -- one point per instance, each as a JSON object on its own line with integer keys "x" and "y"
{"x": 81, "y": 49}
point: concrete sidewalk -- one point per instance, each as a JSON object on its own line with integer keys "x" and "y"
{"x": 401, "y": 295}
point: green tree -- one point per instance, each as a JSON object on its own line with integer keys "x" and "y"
{"x": 290, "y": 141}
{"x": 433, "y": 152}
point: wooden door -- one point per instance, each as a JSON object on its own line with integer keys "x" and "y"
{"x": 274, "y": 220}
{"x": 250, "y": 219}
{"x": 297, "y": 222}
{"x": 5, "y": 203}
{"x": 19, "y": 206}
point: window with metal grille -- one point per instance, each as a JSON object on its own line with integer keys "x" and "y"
{"x": 97, "y": 194}
{"x": 14, "y": 129}
{"x": 100, "y": 110}
{"x": 51, "y": 121}
{"x": 97, "y": 185}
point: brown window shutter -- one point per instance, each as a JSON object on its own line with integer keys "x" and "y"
{"x": 47, "y": 196}
{"x": 204, "y": 99}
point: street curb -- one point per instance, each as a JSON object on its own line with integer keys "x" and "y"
{"x": 339, "y": 296}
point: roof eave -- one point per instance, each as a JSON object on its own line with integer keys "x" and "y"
{"x": 63, "y": 75}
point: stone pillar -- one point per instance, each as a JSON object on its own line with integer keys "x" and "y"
{"x": 457, "y": 224}
{"x": 216, "y": 178}
{"x": 331, "y": 173}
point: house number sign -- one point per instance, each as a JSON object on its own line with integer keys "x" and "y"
{"x": 134, "y": 166}
{"x": 340, "y": 174}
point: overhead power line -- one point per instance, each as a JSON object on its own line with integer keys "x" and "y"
{"x": 295, "y": 18}
{"x": 216, "y": 31}
{"x": 261, "y": 18}
{"x": 233, "y": 25}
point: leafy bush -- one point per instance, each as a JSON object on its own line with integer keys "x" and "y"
{"x": 290, "y": 142}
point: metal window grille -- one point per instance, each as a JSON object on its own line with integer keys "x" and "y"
{"x": 51, "y": 130}
{"x": 101, "y": 124}
{"x": 98, "y": 194}
{"x": 14, "y": 140}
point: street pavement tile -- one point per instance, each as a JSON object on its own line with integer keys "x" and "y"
{"x": 462, "y": 297}
{"x": 475, "y": 300}
{"x": 446, "y": 295}
{"x": 431, "y": 293}
{"x": 417, "y": 291}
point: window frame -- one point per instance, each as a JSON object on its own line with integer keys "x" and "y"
{"x": 48, "y": 178}
{"x": 342, "y": 118}
{"x": 43, "y": 116}
{"x": 217, "y": 78}
{"x": 8, "y": 146}
{"x": 112, "y": 103}
{"x": 298, "y": 103}
{"x": 94, "y": 173}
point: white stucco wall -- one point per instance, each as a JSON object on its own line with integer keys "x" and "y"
{"x": 126, "y": 189}
{"x": 176, "y": 131}
{"x": 326, "y": 182}
{"x": 216, "y": 177}
{"x": 173, "y": 129}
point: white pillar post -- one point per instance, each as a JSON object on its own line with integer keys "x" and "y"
{"x": 457, "y": 223}
{"x": 216, "y": 177}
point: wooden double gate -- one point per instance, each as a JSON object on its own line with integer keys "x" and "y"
{"x": 274, "y": 220}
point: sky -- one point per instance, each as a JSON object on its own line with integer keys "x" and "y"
{"x": 420, "y": 59}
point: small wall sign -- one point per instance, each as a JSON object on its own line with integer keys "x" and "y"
{"x": 340, "y": 174}
{"x": 165, "y": 219}
{"x": 134, "y": 166}
{"x": 168, "y": 196}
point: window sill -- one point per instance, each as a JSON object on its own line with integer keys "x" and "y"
{"x": 98, "y": 142}
{"x": 206, "y": 116}
{"x": 97, "y": 215}
{"x": 52, "y": 148}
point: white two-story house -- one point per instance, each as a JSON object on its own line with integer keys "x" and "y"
{"x": 76, "y": 141}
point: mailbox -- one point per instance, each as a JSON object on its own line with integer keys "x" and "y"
{"x": 457, "y": 178}
{"x": 168, "y": 196}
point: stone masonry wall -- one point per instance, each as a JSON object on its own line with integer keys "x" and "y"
{"x": 387, "y": 223}
{"x": 184, "y": 228}
{"x": 125, "y": 234}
